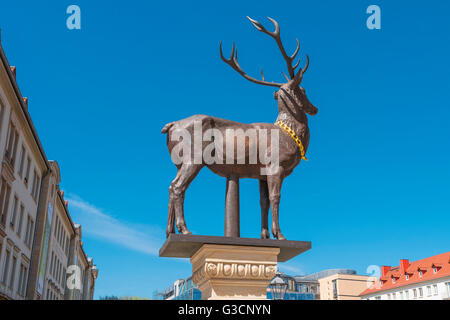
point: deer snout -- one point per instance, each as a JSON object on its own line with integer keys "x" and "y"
{"x": 312, "y": 110}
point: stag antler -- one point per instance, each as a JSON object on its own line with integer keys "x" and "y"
{"x": 233, "y": 62}
{"x": 289, "y": 59}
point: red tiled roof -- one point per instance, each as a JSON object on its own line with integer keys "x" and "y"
{"x": 442, "y": 261}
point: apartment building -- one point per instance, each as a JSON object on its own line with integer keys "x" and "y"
{"x": 80, "y": 260}
{"x": 36, "y": 230}
{"x": 60, "y": 233}
{"x": 426, "y": 279}
{"x": 341, "y": 286}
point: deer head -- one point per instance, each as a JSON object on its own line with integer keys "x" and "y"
{"x": 290, "y": 95}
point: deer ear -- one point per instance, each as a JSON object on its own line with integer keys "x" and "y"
{"x": 275, "y": 95}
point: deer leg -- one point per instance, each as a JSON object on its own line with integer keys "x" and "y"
{"x": 274, "y": 186}
{"x": 265, "y": 205}
{"x": 171, "y": 215}
{"x": 177, "y": 189}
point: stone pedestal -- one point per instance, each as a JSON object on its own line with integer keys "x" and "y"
{"x": 231, "y": 268}
{"x": 226, "y": 272}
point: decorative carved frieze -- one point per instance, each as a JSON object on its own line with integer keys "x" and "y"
{"x": 234, "y": 272}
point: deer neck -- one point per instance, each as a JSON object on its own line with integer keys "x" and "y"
{"x": 297, "y": 121}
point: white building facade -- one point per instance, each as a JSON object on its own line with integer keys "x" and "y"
{"x": 426, "y": 279}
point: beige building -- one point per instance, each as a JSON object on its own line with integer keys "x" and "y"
{"x": 81, "y": 261}
{"x": 36, "y": 231}
{"x": 23, "y": 164}
{"x": 343, "y": 286}
{"x": 61, "y": 232}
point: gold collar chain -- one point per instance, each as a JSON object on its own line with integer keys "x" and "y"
{"x": 291, "y": 132}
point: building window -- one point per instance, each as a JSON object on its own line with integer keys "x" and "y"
{"x": 58, "y": 231}
{"x": 27, "y": 171}
{"x": 51, "y": 263}
{"x": 401, "y": 295}
{"x": 407, "y": 277}
{"x": 56, "y": 226}
{"x": 22, "y": 161}
{"x": 22, "y": 280}
{"x": 2, "y": 108}
{"x": 420, "y": 292}
{"x": 429, "y": 290}
{"x": 10, "y": 152}
{"x": 6, "y": 266}
{"x": 35, "y": 185}
{"x": 335, "y": 291}
{"x": 415, "y": 293}
{"x": 14, "y": 213}
{"x": 63, "y": 278}
{"x": 435, "y": 289}
{"x": 67, "y": 247}
{"x": 434, "y": 270}
{"x": 407, "y": 294}
{"x": 420, "y": 273}
{"x": 19, "y": 224}
{"x": 13, "y": 273}
{"x": 393, "y": 280}
{"x": 19, "y": 292}
{"x": 389, "y": 296}
{"x": 58, "y": 270}
{"x": 5, "y": 191}
{"x": 29, "y": 233}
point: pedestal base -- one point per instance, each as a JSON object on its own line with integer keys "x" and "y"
{"x": 229, "y": 268}
{"x": 226, "y": 272}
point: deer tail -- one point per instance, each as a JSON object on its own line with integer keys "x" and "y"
{"x": 167, "y": 127}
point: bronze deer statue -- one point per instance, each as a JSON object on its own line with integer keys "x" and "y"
{"x": 293, "y": 139}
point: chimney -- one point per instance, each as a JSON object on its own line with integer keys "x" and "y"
{"x": 404, "y": 265}
{"x": 13, "y": 70}
{"x": 62, "y": 194}
{"x": 385, "y": 270}
{"x": 66, "y": 203}
{"x": 25, "y": 100}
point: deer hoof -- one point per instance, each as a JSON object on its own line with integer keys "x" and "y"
{"x": 265, "y": 234}
{"x": 183, "y": 230}
{"x": 186, "y": 232}
{"x": 280, "y": 236}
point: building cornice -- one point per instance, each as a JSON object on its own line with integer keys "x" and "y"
{"x": 24, "y": 107}
{"x": 60, "y": 199}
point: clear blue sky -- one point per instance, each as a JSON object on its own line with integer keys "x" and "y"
{"x": 374, "y": 191}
